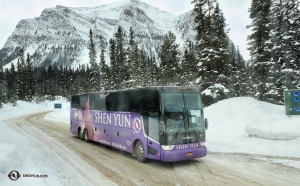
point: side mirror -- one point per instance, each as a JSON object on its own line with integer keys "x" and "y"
{"x": 206, "y": 123}
{"x": 162, "y": 127}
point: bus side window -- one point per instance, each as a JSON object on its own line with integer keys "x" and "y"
{"x": 75, "y": 102}
{"x": 83, "y": 100}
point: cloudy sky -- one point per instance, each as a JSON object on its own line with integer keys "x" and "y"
{"x": 235, "y": 12}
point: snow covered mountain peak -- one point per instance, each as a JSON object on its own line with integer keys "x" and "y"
{"x": 60, "y": 35}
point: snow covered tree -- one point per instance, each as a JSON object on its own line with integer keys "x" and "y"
{"x": 21, "y": 75}
{"x": 284, "y": 42}
{"x": 189, "y": 65}
{"x": 121, "y": 57}
{"x": 212, "y": 45}
{"x": 169, "y": 60}
{"x": 258, "y": 46}
{"x": 104, "y": 69}
{"x": 11, "y": 80}
{"x": 94, "y": 67}
{"x": 115, "y": 66}
{"x": 3, "y": 89}
{"x": 239, "y": 77}
{"x": 134, "y": 60}
{"x": 29, "y": 81}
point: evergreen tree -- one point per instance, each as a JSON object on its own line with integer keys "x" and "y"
{"x": 189, "y": 65}
{"x": 290, "y": 68}
{"x": 115, "y": 69}
{"x": 258, "y": 46}
{"x": 240, "y": 78}
{"x": 284, "y": 70}
{"x": 50, "y": 83}
{"x": 169, "y": 60}
{"x": 212, "y": 56}
{"x": 104, "y": 71}
{"x": 121, "y": 57}
{"x": 12, "y": 77}
{"x": 2, "y": 85}
{"x": 94, "y": 67}
{"x": 21, "y": 78}
{"x": 29, "y": 81}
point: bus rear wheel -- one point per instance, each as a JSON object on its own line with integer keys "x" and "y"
{"x": 86, "y": 136}
{"x": 139, "y": 152}
{"x": 80, "y": 134}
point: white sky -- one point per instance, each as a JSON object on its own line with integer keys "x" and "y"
{"x": 235, "y": 12}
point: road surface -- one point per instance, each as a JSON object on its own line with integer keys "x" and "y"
{"x": 98, "y": 164}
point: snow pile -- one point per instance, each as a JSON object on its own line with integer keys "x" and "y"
{"x": 245, "y": 125}
{"x": 8, "y": 156}
{"x": 17, "y": 153}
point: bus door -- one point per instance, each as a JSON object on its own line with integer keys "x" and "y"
{"x": 153, "y": 146}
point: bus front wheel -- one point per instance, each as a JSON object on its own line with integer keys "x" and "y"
{"x": 139, "y": 152}
{"x": 86, "y": 136}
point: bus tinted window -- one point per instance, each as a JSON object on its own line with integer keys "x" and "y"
{"x": 97, "y": 102}
{"x": 75, "y": 102}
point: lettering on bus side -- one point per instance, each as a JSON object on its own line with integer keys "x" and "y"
{"x": 118, "y": 119}
{"x": 187, "y": 146}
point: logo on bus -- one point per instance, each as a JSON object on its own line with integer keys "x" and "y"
{"x": 137, "y": 125}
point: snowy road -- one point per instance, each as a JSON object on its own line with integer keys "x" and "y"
{"x": 97, "y": 164}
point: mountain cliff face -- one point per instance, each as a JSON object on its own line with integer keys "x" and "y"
{"x": 60, "y": 35}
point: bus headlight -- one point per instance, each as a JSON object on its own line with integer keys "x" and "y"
{"x": 168, "y": 147}
{"x": 202, "y": 144}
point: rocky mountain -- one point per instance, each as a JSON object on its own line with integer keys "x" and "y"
{"x": 60, "y": 35}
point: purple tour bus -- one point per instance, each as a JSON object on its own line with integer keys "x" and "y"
{"x": 160, "y": 123}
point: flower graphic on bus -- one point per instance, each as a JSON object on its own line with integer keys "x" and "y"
{"x": 137, "y": 125}
{"x": 87, "y": 119}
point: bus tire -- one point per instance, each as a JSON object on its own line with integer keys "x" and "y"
{"x": 80, "y": 133}
{"x": 86, "y": 136}
{"x": 139, "y": 152}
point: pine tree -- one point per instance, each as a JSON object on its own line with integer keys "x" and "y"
{"x": 220, "y": 62}
{"x": 290, "y": 68}
{"x": 50, "y": 83}
{"x": 21, "y": 78}
{"x": 284, "y": 71}
{"x": 212, "y": 45}
{"x": 189, "y": 65}
{"x": 169, "y": 60}
{"x": 2, "y": 85}
{"x": 258, "y": 46}
{"x": 104, "y": 71}
{"x": 121, "y": 57}
{"x": 94, "y": 67}
{"x": 115, "y": 69}
{"x": 12, "y": 86}
{"x": 240, "y": 84}
{"x": 29, "y": 81}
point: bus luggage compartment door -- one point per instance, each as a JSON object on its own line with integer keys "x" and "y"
{"x": 153, "y": 149}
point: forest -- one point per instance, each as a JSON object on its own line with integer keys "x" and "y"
{"x": 210, "y": 61}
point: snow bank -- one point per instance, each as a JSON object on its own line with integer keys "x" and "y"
{"x": 245, "y": 125}
{"x": 8, "y": 155}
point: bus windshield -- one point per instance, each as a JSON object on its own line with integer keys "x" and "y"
{"x": 182, "y": 114}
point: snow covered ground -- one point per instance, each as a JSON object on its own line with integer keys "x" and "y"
{"x": 238, "y": 125}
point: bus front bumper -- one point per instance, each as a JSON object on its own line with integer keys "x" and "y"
{"x": 185, "y": 154}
